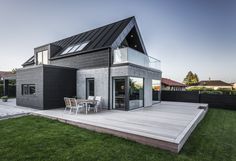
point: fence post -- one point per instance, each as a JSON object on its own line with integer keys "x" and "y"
{"x": 199, "y": 96}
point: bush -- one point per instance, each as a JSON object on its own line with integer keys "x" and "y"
{"x": 211, "y": 92}
{"x": 4, "y": 97}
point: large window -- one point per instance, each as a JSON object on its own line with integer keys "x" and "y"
{"x": 28, "y": 89}
{"x": 156, "y": 88}
{"x": 136, "y": 92}
{"x": 42, "y": 57}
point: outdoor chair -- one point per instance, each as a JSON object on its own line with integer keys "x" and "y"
{"x": 75, "y": 105}
{"x": 67, "y": 104}
{"x": 90, "y": 98}
{"x": 98, "y": 104}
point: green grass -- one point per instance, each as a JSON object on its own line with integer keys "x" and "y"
{"x": 34, "y": 138}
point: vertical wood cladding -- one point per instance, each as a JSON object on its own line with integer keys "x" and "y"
{"x": 58, "y": 83}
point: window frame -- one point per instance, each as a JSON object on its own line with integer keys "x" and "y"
{"x": 42, "y": 53}
{"x": 86, "y": 87}
{"x": 26, "y": 89}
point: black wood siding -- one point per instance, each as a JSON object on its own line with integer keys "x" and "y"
{"x": 58, "y": 83}
{"x": 86, "y": 60}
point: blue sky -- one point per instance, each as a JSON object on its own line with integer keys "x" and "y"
{"x": 197, "y": 35}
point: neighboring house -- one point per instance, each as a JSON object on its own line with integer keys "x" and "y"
{"x": 214, "y": 84}
{"x": 110, "y": 61}
{"x": 4, "y": 78}
{"x": 4, "y": 74}
{"x": 233, "y": 85}
{"x": 171, "y": 85}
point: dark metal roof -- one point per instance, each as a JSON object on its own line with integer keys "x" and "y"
{"x": 98, "y": 38}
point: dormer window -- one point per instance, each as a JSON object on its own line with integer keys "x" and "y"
{"x": 42, "y": 57}
{"x": 75, "y": 48}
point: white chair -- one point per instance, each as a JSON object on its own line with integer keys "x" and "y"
{"x": 98, "y": 104}
{"x": 67, "y": 104}
{"x": 75, "y": 105}
{"x": 90, "y": 98}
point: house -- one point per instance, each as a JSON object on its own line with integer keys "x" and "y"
{"x": 4, "y": 74}
{"x": 214, "y": 84}
{"x": 110, "y": 61}
{"x": 171, "y": 85}
{"x": 233, "y": 85}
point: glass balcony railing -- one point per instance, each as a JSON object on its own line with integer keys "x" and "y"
{"x": 129, "y": 55}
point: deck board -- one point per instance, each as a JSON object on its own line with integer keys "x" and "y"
{"x": 166, "y": 125}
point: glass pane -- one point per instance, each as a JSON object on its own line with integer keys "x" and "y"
{"x": 67, "y": 50}
{"x": 156, "y": 87}
{"x": 31, "y": 89}
{"x": 135, "y": 92}
{"x": 119, "y": 94}
{"x": 90, "y": 87}
{"x": 82, "y": 46}
{"x": 74, "y": 48}
{"x": 40, "y": 57}
{"x": 45, "y": 57}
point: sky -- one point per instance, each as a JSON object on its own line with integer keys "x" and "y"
{"x": 196, "y": 35}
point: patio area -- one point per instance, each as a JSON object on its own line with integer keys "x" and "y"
{"x": 166, "y": 125}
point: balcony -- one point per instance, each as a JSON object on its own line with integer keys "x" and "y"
{"x": 129, "y": 55}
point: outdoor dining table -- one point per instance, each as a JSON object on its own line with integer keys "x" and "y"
{"x": 86, "y": 102}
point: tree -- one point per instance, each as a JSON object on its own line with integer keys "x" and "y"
{"x": 191, "y": 78}
{"x": 14, "y": 71}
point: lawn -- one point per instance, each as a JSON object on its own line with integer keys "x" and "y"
{"x": 35, "y": 138}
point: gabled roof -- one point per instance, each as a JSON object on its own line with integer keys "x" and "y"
{"x": 98, "y": 38}
{"x": 213, "y": 83}
{"x": 110, "y": 35}
{"x": 169, "y": 82}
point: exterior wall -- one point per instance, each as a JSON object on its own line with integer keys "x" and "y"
{"x": 88, "y": 60}
{"x": 30, "y": 76}
{"x": 58, "y": 83}
{"x": 136, "y": 71}
{"x": 234, "y": 85}
{"x": 52, "y": 85}
{"x": 100, "y": 76}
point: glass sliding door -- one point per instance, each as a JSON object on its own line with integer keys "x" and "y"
{"x": 119, "y": 93}
{"x": 156, "y": 88}
{"x": 136, "y": 92}
{"x": 90, "y": 87}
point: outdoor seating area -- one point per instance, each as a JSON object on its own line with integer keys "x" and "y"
{"x": 76, "y": 106}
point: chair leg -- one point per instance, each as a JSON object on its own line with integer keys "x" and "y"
{"x": 70, "y": 110}
{"x": 77, "y": 110}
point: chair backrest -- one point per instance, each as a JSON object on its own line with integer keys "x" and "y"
{"x": 99, "y": 101}
{"x": 73, "y": 102}
{"x": 90, "y": 97}
{"x": 98, "y": 98}
{"x": 67, "y": 102}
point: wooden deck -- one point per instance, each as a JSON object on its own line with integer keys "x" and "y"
{"x": 166, "y": 125}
